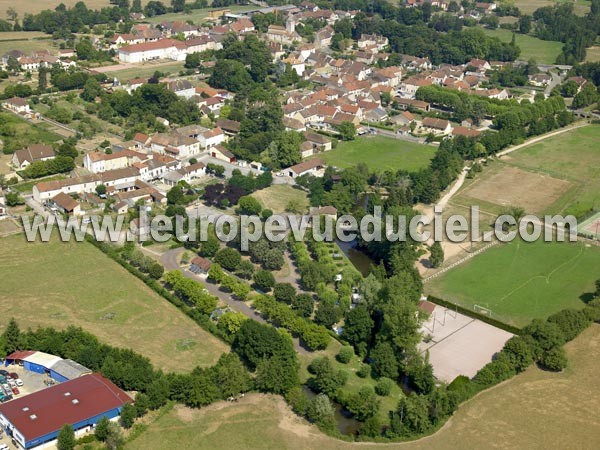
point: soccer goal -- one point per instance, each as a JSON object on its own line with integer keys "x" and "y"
{"x": 482, "y": 310}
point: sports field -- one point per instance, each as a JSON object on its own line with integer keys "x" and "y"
{"x": 559, "y": 175}
{"x": 534, "y": 410}
{"x": 571, "y": 156}
{"x": 380, "y": 153}
{"x": 521, "y": 281}
{"x": 59, "y": 284}
{"x": 544, "y": 52}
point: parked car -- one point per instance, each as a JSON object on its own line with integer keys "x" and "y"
{"x": 13, "y": 375}
{"x": 15, "y": 390}
{"x": 3, "y": 372}
{"x": 3, "y": 446}
{"x": 19, "y": 382}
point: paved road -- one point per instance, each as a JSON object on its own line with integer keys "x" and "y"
{"x": 170, "y": 261}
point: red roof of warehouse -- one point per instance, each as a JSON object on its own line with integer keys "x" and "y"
{"x": 73, "y": 401}
{"x": 20, "y": 354}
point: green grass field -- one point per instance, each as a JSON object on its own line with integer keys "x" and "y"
{"x": 521, "y": 281}
{"x": 571, "y": 156}
{"x": 145, "y": 70}
{"x": 23, "y": 133}
{"x": 59, "y": 284}
{"x": 278, "y": 196}
{"x": 581, "y": 7}
{"x": 544, "y": 52}
{"x": 520, "y": 413}
{"x": 379, "y": 154}
{"x": 198, "y": 15}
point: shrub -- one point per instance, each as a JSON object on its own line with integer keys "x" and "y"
{"x": 554, "y": 359}
{"x": 264, "y": 280}
{"x": 228, "y": 258}
{"x": 364, "y": 370}
{"x": 345, "y": 355}
{"x": 384, "y": 386}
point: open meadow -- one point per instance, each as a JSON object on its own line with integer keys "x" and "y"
{"x": 380, "y": 153}
{"x": 544, "y": 52}
{"x": 198, "y": 15}
{"x": 59, "y": 284}
{"x": 277, "y": 196}
{"x": 521, "y": 281}
{"x": 581, "y": 7}
{"x": 35, "y": 6}
{"x": 534, "y": 410}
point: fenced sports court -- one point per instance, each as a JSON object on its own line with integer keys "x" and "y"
{"x": 458, "y": 344}
{"x": 590, "y": 227}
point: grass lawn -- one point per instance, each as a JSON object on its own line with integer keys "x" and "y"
{"x": 581, "y": 7}
{"x": 592, "y": 54}
{"x": 23, "y": 133}
{"x": 354, "y": 383}
{"x": 380, "y": 153}
{"x": 145, "y": 70}
{"x": 27, "y": 186}
{"x": 277, "y": 197}
{"x": 544, "y": 52}
{"x": 26, "y": 41}
{"x": 534, "y": 410}
{"x": 59, "y": 284}
{"x": 521, "y": 281}
{"x": 571, "y": 156}
{"x": 198, "y": 15}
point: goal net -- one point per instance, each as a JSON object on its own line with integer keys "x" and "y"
{"x": 482, "y": 310}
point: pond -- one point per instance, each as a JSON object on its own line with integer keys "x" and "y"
{"x": 358, "y": 259}
{"x": 346, "y": 424}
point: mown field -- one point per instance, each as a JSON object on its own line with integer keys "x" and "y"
{"x": 581, "y": 7}
{"x": 521, "y": 281}
{"x": 198, "y": 15}
{"x": 544, "y": 52}
{"x": 278, "y": 196}
{"x": 380, "y": 153}
{"x": 35, "y": 6}
{"x": 534, "y": 410}
{"x": 59, "y": 284}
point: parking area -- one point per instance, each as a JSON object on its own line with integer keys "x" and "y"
{"x": 32, "y": 382}
{"x": 458, "y": 344}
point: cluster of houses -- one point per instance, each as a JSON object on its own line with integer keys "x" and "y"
{"x": 35, "y": 60}
{"x": 128, "y": 167}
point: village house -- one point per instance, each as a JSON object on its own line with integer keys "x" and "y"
{"x": 17, "y": 105}
{"x": 319, "y": 142}
{"x": 187, "y": 174}
{"x": 33, "y": 153}
{"x": 313, "y": 167}
{"x": 175, "y": 145}
{"x": 182, "y": 88}
{"x": 220, "y": 152}
{"x": 211, "y": 138}
{"x": 64, "y": 204}
{"x": 540, "y": 79}
{"x": 98, "y": 162}
{"x": 436, "y": 126}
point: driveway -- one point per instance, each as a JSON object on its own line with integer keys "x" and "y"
{"x": 170, "y": 261}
